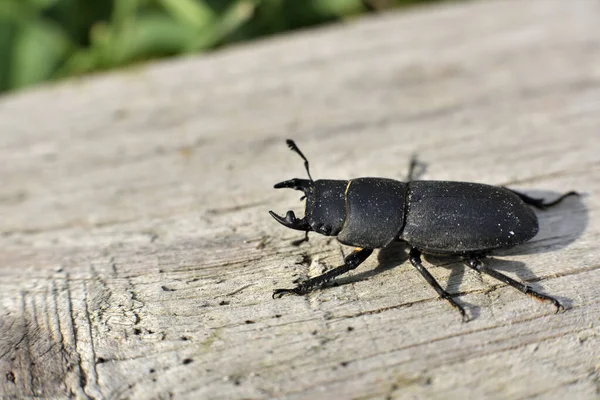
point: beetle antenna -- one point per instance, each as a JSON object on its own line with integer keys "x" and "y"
{"x": 295, "y": 148}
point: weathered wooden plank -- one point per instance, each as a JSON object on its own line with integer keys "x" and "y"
{"x": 138, "y": 258}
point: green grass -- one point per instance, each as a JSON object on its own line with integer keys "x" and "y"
{"x": 43, "y": 40}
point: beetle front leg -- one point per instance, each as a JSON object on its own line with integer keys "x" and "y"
{"x": 477, "y": 265}
{"x": 415, "y": 259}
{"x": 352, "y": 261}
{"x": 298, "y": 242}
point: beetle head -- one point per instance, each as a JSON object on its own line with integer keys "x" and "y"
{"x": 325, "y": 210}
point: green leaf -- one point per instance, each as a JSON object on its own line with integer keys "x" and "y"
{"x": 42, "y": 4}
{"x": 235, "y": 16}
{"x": 340, "y": 8}
{"x": 38, "y": 48}
{"x": 150, "y": 36}
{"x": 14, "y": 11}
{"x": 195, "y": 13}
{"x": 80, "y": 62}
{"x": 7, "y": 32}
{"x": 125, "y": 11}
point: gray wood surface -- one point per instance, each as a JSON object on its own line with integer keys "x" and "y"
{"x": 138, "y": 258}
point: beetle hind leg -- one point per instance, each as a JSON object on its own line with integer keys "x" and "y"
{"x": 352, "y": 261}
{"x": 541, "y": 203}
{"x": 476, "y": 264}
{"x": 415, "y": 259}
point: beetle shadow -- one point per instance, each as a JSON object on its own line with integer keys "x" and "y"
{"x": 455, "y": 279}
{"x": 508, "y": 267}
{"x": 389, "y": 257}
{"x": 559, "y": 226}
{"x": 513, "y": 269}
{"x": 396, "y": 254}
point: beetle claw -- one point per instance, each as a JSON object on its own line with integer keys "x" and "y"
{"x": 279, "y": 293}
{"x": 559, "y": 307}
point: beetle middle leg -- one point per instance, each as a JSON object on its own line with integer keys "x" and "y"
{"x": 351, "y": 261}
{"x": 477, "y": 265}
{"x": 415, "y": 259}
{"x": 415, "y": 168}
{"x": 541, "y": 203}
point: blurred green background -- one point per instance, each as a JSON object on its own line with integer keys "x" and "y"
{"x": 44, "y": 40}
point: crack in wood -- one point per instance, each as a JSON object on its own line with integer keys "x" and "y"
{"x": 88, "y": 323}
{"x": 27, "y": 367}
{"x": 61, "y": 340}
{"x": 83, "y": 379}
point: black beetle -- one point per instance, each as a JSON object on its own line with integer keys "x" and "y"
{"x": 433, "y": 217}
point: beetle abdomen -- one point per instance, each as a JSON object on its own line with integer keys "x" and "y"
{"x": 461, "y": 217}
{"x": 375, "y": 212}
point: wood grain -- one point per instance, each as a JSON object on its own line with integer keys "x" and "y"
{"x": 138, "y": 258}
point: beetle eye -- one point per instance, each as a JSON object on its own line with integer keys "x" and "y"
{"x": 324, "y": 229}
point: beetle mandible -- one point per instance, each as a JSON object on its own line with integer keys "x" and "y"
{"x": 433, "y": 217}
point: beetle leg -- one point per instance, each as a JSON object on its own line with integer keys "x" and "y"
{"x": 412, "y": 166}
{"x": 298, "y": 242}
{"x": 352, "y": 261}
{"x": 477, "y": 265}
{"x": 539, "y": 203}
{"x": 415, "y": 259}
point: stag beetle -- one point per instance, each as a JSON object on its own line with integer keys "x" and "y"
{"x": 433, "y": 217}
